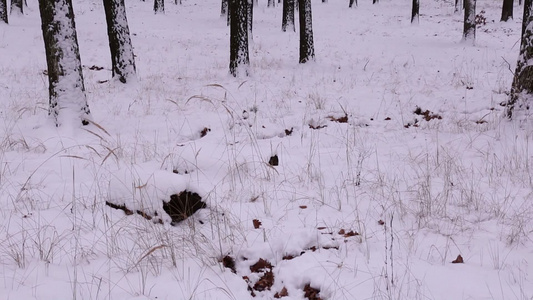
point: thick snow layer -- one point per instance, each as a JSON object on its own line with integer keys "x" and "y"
{"x": 394, "y": 158}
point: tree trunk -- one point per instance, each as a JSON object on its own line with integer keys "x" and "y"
{"x": 307, "y": 48}
{"x": 523, "y": 75}
{"x": 3, "y": 11}
{"x": 122, "y": 59}
{"x": 250, "y": 11}
{"x": 68, "y": 103}
{"x": 239, "y": 57}
{"x": 415, "y": 11}
{"x": 224, "y": 8}
{"x": 375, "y": 1}
{"x": 352, "y": 2}
{"x": 469, "y": 30}
{"x": 159, "y": 6}
{"x": 459, "y": 5}
{"x": 507, "y": 10}
{"x": 17, "y": 6}
{"x": 287, "y": 21}
{"x": 271, "y": 3}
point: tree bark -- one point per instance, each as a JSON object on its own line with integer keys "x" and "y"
{"x": 224, "y": 8}
{"x": 250, "y": 11}
{"x": 507, "y": 10}
{"x": 271, "y": 3}
{"x": 287, "y": 21}
{"x": 68, "y": 103}
{"x": 469, "y": 30}
{"x": 3, "y": 11}
{"x": 523, "y": 75}
{"x": 307, "y": 48}
{"x": 122, "y": 59}
{"x": 159, "y": 6}
{"x": 352, "y": 2}
{"x": 415, "y": 11}
{"x": 239, "y": 57}
{"x": 17, "y": 6}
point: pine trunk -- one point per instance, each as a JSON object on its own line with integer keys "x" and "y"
{"x": 307, "y": 48}
{"x": 288, "y": 16}
{"x": 122, "y": 59}
{"x": 415, "y": 11}
{"x": 159, "y": 6}
{"x": 17, "y": 6}
{"x": 507, "y": 10}
{"x": 250, "y": 11}
{"x": 239, "y": 57}
{"x": 469, "y": 30}
{"x": 3, "y": 11}
{"x": 523, "y": 75}
{"x": 68, "y": 103}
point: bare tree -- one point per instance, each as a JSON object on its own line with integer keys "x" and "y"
{"x": 239, "y": 56}
{"x": 3, "y": 11}
{"x": 307, "y": 47}
{"x": 507, "y": 10}
{"x": 122, "y": 59}
{"x": 17, "y": 6}
{"x": 287, "y": 21}
{"x": 469, "y": 30}
{"x": 522, "y": 87}
{"x": 159, "y": 6}
{"x": 415, "y": 11}
{"x": 68, "y": 103}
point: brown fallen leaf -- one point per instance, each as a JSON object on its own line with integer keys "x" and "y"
{"x": 458, "y": 260}
{"x": 257, "y": 223}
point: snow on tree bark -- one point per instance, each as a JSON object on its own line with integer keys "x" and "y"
{"x": 287, "y": 22}
{"x": 507, "y": 10}
{"x": 307, "y": 48}
{"x": 415, "y": 11}
{"x": 522, "y": 87}
{"x": 250, "y": 21}
{"x": 159, "y": 6}
{"x": 3, "y": 11}
{"x": 224, "y": 8}
{"x": 17, "y": 6}
{"x": 122, "y": 59}
{"x": 239, "y": 57}
{"x": 67, "y": 99}
{"x": 469, "y": 30}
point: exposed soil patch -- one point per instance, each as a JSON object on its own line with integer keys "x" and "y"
{"x": 182, "y": 206}
{"x": 311, "y": 293}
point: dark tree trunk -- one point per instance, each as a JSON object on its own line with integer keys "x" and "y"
{"x": 375, "y": 1}
{"x": 17, "y": 6}
{"x": 3, "y": 11}
{"x": 459, "y": 5}
{"x": 523, "y": 75}
{"x": 507, "y": 10}
{"x": 224, "y": 8}
{"x": 307, "y": 48}
{"x": 239, "y": 57}
{"x": 415, "y": 11}
{"x": 287, "y": 21}
{"x": 68, "y": 103}
{"x": 177, "y": 2}
{"x": 159, "y": 6}
{"x": 469, "y": 30}
{"x": 352, "y": 2}
{"x": 271, "y": 3}
{"x": 122, "y": 59}
{"x": 250, "y": 11}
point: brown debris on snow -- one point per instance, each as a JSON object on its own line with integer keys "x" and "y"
{"x": 260, "y": 266}
{"x": 256, "y": 223}
{"x": 311, "y": 293}
{"x": 182, "y": 206}
{"x": 458, "y": 260}
{"x": 282, "y": 293}
{"x": 265, "y": 282}
{"x": 229, "y": 262}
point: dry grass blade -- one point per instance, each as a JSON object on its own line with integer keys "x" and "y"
{"x": 73, "y": 156}
{"x": 111, "y": 151}
{"x": 216, "y": 85}
{"x": 99, "y": 127}
{"x": 149, "y": 252}
{"x": 198, "y": 97}
{"x": 94, "y": 133}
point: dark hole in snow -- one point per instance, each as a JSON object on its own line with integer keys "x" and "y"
{"x": 229, "y": 262}
{"x": 181, "y": 206}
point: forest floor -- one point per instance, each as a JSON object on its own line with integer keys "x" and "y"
{"x": 393, "y": 159}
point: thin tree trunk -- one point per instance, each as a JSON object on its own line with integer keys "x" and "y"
{"x": 122, "y": 59}
{"x": 375, "y": 1}
{"x": 469, "y": 30}
{"x": 287, "y": 21}
{"x": 17, "y": 6}
{"x": 239, "y": 57}
{"x": 415, "y": 11}
{"x": 3, "y": 11}
{"x": 271, "y": 3}
{"x": 68, "y": 103}
{"x": 159, "y": 6}
{"x": 459, "y": 5}
{"x": 250, "y": 11}
{"x": 352, "y": 2}
{"x": 522, "y": 81}
{"x": 307, "y": 48}
{"x": 507, "y": 10}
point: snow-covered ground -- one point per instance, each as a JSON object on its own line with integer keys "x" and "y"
{"x": 376, "y": 207}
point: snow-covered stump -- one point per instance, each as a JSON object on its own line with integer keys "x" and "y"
{"x": 68, "y": 102}
{"x": 122, "y": 58}
{"x": 160, "y": 196}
